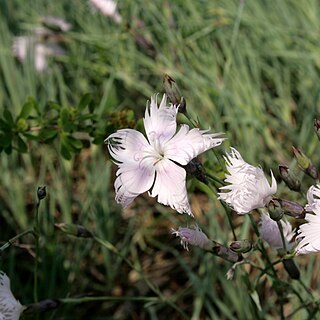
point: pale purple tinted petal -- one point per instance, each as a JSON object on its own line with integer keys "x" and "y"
{"x": 160, "y": 122}
{"x": 170, "y": 186}
{"x": 134, "y": 157}
{"x": 187, "y": 144}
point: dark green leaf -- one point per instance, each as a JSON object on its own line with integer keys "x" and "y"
{"x": 65, "y": 119}
{"x": 5, "y": 126}
{"x": 75, "y": 143}
{"x": 65, "y": 150}
{"x": 8, "y": 117}
{"x": 22, "y": 146}
{"x": 85, "y": 100}
{"x": 47, "y": 134}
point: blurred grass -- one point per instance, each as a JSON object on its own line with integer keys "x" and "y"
{"x": 247, "y": 68}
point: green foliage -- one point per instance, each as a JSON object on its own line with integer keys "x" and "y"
{"x": 246, "y": 68}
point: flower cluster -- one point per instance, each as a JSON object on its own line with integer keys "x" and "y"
{"x": 156, "y": 163}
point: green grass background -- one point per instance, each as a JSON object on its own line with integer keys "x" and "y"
{"x": 246, "y": 68}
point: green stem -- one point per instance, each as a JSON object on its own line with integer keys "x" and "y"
{"x": 109, "y": 298}
{"x": 15, "y": 238}
{"x": 113, "y": 249}
{"x": 282, "y": 235}
{"x": 36, "y": 229}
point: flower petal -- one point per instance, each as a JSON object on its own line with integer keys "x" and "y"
{"x": 187, "y": 144}
{"x": 160, "y": 122}
{"x": 10, "y": 308}
{"x": 170, "y": 186}
{"x": 135, "y": 159}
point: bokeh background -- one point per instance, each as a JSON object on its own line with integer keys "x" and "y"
{"x": 250, "y": 69}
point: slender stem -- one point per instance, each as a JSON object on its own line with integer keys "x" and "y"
{"x": 36, "y": 266}
{"x": 109, "y": 298}
{"x": 15, "y": 238}
{"x": 112, "y": 248}
{"x": 215, "y": 179}
{"x": 282, "y": 235}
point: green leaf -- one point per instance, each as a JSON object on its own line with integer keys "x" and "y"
{"x": 26, "y": 109}
{"x": 75, "y": 143}
{"x": 7, "y": 140}
{"x": 65, "y": 150}
{"x": 65, "y": 120}
{"x": 5, "y": 126}
{"x": 47, "y": 134}
{"x": 22, "y": 146}
{"x": 255, "y": 297}
{"x": 85, "y": 100}
{"x": 8, "y": 117}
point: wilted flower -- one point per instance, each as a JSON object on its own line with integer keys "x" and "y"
{"x": 153, "y": 164}
{"x": 108, "y": 8}
{"x": 248, "y": 187}
{"x": 193, "y": 236}
{"x": 308, "y": 237}
{"x": 269, "y": 231}
{"x": 10, "y": 308}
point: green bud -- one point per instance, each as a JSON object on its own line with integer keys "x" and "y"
{"x": 275, "y": 210}
{"x": 195, "y": 168}
{"x": 292, "y": 209}
{"x": 291, "y": 268}
{"x": 22, "y": 125}
{"x": 226, "y": 253}
{"x": 241, "y": 246}
{"x": 173, "y": 92}
{"x": 74, "y": 230}
{"x": 292, "y": 183}
{"x": 305, "y": 163}
{"x": 41, "y": 192}
{"x": 42, "y": 306}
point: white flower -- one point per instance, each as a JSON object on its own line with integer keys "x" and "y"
{"x": 248, "y": 187}
{"x": 56, "y": 23}
{"x": 270, "y": 232}
{"x": 24, "y": 46}
{"x": 10, "y": 308}
{"x": 154, "y": 164}
{"x": 108, "y": 8}
{"x": 309, "y": 233}
{"x": 193, "y": 236}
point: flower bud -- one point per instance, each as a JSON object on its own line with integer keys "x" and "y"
{"x": 292, "y": 209}
{"x": 193, "y": 236}
{"x": 74, "y": 230}
{"x": 275, "y": 210}
{"x": 305, "y": 163}
{"x": 41, "y": 192}
{"x": 42, "y": 306}
{"x": 226, "y": 253}
{"x": 288, "y": 178}
{"x": 241, "y": 246}
{"x": 173, "y": 92}
{"x": 316, "y": 126}
{"x": 291, "y": 268}
{"x": 195, "y": 168}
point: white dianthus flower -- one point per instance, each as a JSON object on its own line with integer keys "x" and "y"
{"x": 308, "y": 234}
{"x": 10, "y": 308}
{"x": 247, "y": 188}
{"x": 155, "y": 163}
